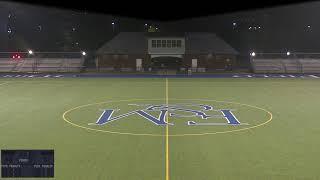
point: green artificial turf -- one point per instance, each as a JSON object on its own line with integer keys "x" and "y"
{"x": 285, "y": 148}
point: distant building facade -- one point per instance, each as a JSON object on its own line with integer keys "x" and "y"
{"x": 139, "y": 51}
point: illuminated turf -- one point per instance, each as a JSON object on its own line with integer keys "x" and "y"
{"x": 133, "y": 147}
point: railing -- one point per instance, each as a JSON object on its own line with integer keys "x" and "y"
{"x": 41, "y": 61}
{"x": 286, "y": 62}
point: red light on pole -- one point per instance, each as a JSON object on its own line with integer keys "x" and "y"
{"x": 16, "y": 56}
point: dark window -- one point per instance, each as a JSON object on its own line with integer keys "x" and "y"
{"x": 164, "y": 43}
{"x": 153, "y": 43}
{"x": 169, "y": 43}
{"x": 158, "y": 43}
{"x": 179, "y": 43}
{"x": 174, "y": 43}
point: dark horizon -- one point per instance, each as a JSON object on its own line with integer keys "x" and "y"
{"x": 289, "y": 28}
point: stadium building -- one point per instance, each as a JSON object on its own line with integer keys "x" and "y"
{"x": 139, "y": 51}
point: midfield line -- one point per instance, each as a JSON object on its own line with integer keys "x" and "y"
{"x": 167, "y": 132}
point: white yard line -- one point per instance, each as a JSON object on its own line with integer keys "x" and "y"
{"x": 4, "y": 83}
{"x": 314, "y": 76}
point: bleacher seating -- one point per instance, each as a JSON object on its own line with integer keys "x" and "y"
{"x": 71, "y": 65}
{"x": 310, "y": 65}
{"x": 41, "y": 65}
{"x": 267, "y": 66}
{"x": 291, "y": 66}
{"x": 306, "y": 65}
{"x": 49, "y": 65}
{"x": 7, "y": 65}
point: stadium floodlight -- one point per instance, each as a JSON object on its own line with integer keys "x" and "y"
{"x": 288, "y": 53}
{"x": 30, "y": 52}
{"x": 253, "y": 54}
{"x": 83, "y": 53}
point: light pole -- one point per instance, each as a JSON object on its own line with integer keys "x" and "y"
{"x": 35, "y": 62}
{"x": 113, "y": 26}
{"x": 288, "y": 53}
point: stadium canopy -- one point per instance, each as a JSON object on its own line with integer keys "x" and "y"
{"x": 196, "y": 43}
{"x": 206, "y": 43}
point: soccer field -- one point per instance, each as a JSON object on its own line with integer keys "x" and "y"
{"x": 166, "y": 129}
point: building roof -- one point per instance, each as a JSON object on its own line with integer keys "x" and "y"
{"x": 206, "y": 43}
{"x": 165, "y": 34}
{"x": 196, "y": 43}
{"x": 126, "y": 43}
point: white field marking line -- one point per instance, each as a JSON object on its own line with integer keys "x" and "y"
{"x": 175, "y": 135}
{"x": 4, "y": 83}
{"x": 314, "y": 76}
{"x": 221, "y": 124}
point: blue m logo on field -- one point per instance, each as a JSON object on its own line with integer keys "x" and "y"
{"x": 189, "y": 110}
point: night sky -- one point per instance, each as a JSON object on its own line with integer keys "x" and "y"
{"x": 294, "y": 28}
{"x": 25, "y": 26}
